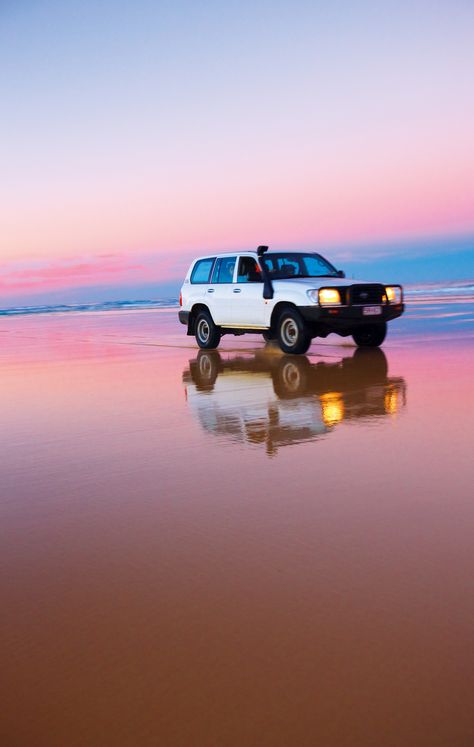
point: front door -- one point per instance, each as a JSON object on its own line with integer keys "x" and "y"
{"x": 248, "y": 304}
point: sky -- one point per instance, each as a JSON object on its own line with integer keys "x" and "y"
{"x": 134, "y": 136}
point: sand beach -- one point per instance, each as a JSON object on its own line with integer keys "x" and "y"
{"x": 236, "y": 547}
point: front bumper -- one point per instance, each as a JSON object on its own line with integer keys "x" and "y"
{"x": 348, "y": 317}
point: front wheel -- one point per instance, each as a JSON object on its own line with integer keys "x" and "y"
{"x": 292, "y": 333}
{"x": 290, "y": 379}
{"x": 370, "y": 335}
{"x": 207, "y": 335}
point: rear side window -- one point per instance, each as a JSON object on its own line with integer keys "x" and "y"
{"x": 224, "y": 270}
{"x": 202, "y": 270}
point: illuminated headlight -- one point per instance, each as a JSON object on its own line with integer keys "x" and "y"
{"x": 394, "y": 293}
{"x": 329, "y": 297}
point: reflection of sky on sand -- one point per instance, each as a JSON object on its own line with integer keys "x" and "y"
{"x": 154, "y": 568}
{"x": 274, "y": 401}
{"x": 426, "y": 317}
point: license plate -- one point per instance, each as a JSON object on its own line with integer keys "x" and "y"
{"x": 371, "y": 310}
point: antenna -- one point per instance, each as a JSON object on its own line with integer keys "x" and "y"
{"x": 261, "y": 250}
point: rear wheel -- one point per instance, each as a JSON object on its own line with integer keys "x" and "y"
{"x": 205, "y": 370}
{"x": 268, "y": 335}
{"x": 292, "y": 333}
{"x": 370, "y": 335}
{"x": 207, "y": 335}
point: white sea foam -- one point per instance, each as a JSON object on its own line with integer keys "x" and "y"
{"x": 161, "y": 303}
{"x": 440, "y": 290}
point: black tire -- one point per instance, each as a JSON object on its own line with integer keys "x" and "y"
{"x": 370, "y": 335}
{"x": 268, "y": 336}
{"x": 207, "y": 335}
{"x": 292, "y": 333}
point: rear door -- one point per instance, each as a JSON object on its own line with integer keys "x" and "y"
{"x": 219, "y": 292}
{"x": 248, "y": 304}
{"x": 196, "y": 290}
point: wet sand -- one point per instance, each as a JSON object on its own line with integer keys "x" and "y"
{"x": 238, "y": 548}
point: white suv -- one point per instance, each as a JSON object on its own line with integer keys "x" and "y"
{"x": 288, "y": 296}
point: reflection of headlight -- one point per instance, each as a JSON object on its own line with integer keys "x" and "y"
{"x": 332, "y": 408}
{"x": 391, "y": 401}
{"x": 329, "y": 297}
{"x": 394, "y": 293}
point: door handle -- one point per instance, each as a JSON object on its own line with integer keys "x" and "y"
{"x": 210, "y": 290}
{"x": 237, "y": 290}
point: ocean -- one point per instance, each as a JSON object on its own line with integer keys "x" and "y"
{"x": 461, "y": 290}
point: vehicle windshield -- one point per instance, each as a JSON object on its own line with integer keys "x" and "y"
{"x": 285, "y": 265}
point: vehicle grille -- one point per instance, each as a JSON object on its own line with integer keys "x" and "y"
{"x": 366, "y": 294}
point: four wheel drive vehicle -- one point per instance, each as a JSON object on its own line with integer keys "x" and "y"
{"x": 274, "y": 401}
{"x": 288, "y": 296}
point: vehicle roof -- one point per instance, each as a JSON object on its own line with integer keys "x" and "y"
{"x": 253, "y": 252}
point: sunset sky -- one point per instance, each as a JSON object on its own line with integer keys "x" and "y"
{"x": 135, "y": 135}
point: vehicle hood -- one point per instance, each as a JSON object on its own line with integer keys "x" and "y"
{"x": 308, "y": 283}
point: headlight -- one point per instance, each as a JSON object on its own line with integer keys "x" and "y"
{"x": 329, "y": 297}
{"x": 394, "y": 293}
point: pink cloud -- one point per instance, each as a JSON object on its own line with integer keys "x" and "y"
{"x": 72, "y": 271}
{"x": 53, "y": 276}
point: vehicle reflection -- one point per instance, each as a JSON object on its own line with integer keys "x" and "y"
{"x": 275, "y": 400}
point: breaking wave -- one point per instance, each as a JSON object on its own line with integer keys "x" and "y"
{"x": 164, "y": 303}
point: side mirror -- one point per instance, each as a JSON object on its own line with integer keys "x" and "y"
{"x": 341, "y": 274}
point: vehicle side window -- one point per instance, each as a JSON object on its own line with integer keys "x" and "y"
{"x": 224, "y": 270}
{"x": 202, "y": 270}
{"x": 249, "y": 271}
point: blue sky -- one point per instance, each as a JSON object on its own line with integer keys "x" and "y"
{"x": 136, "y": 135}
